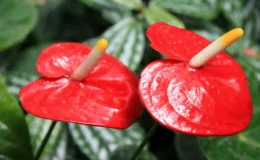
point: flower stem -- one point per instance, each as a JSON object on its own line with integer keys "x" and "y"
{"x": 45, "y": 140}
{"x": 145, "y": 140}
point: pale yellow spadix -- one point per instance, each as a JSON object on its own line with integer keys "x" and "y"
{"x": 90, "y": 62}
{"x": 215, "y": 47}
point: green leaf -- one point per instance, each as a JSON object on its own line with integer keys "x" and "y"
{"x": 100, "y": 143}
{"x": 252, "y": 25}
{"x": 111, "y": 10}
{"x": 126, "y": 42}
{"x": 50, "y": 20}
{"x": 188, "y": 148}
{"x": 115, "y": 15}
{"x": 246, "y": 144}
{"x": 233, "y": 11}
{"x": 126, "y": 152}
{"x": 18, "y": 17}
{"x": 57, "y": 143}
{"x": 133, "y": 4}
{"x": 14, "y": 135}
{"x": 26, "y": 62}
{"x": 243, "y": 14}
{"x": 101, "y": 4}
{"x": 155, "y": 14}
{"x": 16, "y": 80}
{"x": 6, "y": 58}
{"x": 202, "y": 9}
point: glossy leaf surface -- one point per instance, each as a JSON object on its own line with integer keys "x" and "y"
{"x": 97, "y": 100}
{"x": 189, "y": 100}
{"x": 16, "y": 21}
{"x": 100, "y": 143}
{"x": 14, "y": 135}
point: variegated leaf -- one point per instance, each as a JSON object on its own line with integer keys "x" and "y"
{"x": 203, "y": 9}
{"x": 16, "y": 80}
{"x": 56, "y": 146}
{"x": 14, "y": 135}
{"x": 27, "y": 59}
{"x": 126, "y": 42}
{"x": 111, "y": 10}
{"x": 154, "y": 14}
{"x": 99, "y": 143}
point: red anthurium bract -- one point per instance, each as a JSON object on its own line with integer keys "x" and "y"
{"x": 211, "y": 100}
{"x": 107, "y": 97}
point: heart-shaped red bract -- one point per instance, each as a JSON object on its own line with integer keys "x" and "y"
{"x": 206, "y": 101}
{"x": 107, "y": 97}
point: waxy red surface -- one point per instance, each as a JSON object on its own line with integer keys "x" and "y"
{"x": 107, "y": 97}
{"x": 206, "y": 101}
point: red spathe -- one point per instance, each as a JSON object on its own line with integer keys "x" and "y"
{"x": 107, "y": 97}
{"x": 207, "y": 101}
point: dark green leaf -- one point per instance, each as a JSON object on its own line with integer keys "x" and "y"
{"x": 154, "y": 14}
{"x": 126, "y": 152}
{"x": 16, "y": 80}
{"x": 202, "y": 9}
{"x": 111, "y": 10}
{"x": 6, "y": 58}
{"x": 188, "y": 148}
{"x": 57, "y": 143}
{"x": 26, "y": 61}
{"x": 18, "y": 17}
{"x": 50, "y": 20}
{"x": 14, "y": 135}
{"x": 100, "y": 143}
{"x": 126, "y": 42}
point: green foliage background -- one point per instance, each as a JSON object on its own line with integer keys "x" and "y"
{"x": 28, "y": 26}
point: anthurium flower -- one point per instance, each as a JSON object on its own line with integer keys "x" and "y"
{"x": 194, "y": 91}
{"x": 80, "y": 84}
